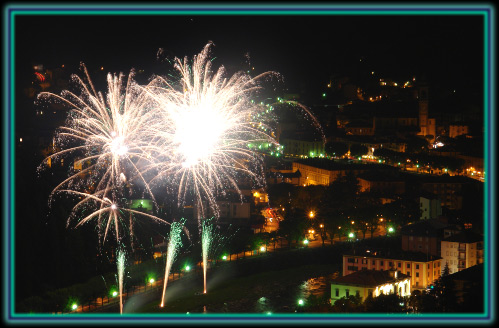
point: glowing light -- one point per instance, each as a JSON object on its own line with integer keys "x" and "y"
{"x": 151, "y": 280}
{"x": 351, "y": 235}
{"x": 115, "y": 293}
{"x": 311, "y": 214}
{"x": 390, "y": 229}
{"x": 74, "y": 306}
{"x": 262, "y": 249}
{"x": 174, "y": 244}
{"x": 301, "y": 302}
{"x": 305, "y": 241}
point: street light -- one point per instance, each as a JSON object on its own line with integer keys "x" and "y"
{"x": 311, "y": 214}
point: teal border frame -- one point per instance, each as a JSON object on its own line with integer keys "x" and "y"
{"x": 10, "y": 11}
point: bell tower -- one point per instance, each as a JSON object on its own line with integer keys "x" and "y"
{"x": 423, "y": 110}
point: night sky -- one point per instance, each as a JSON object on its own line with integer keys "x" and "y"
{"x": 306, "y": 50}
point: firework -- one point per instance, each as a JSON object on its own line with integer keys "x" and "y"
{"x": 105, "y": 134}
{"x": 206, "y": 240}
{"x": 206, "y": 122}
{"x": 120, "y": 263}
{"x": 174, "y": 244}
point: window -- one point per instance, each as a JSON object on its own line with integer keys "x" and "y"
{"x": 417, "y": 266}
{"x": 408, "y": 265}
{"x": 417, "y": 274}
{"x": 374, "y": 262}
{"x": 337, "y": 292}
{"x": 399, "y": 264}
{"x": 380, "y": 262}
{"x": 351, "y": 260}
{"x": 357, "y": 293}
{"x": 347, "y": 292}
{"x": 428, "y": 265}
{"x": 352, "y": 268}
{"x": 369, "y": 291}
{"x": 390, "y": 264}
{"x": 364, "y": 261}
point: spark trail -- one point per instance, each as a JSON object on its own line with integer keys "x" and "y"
{"x": 174, "y": 244}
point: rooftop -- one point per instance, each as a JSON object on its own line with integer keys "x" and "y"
{"x": 369, "y": 278}
{"x": 333, "y": 165}
{"x": 430, "y": 227}
{"x": 392, "y": 255}
{"x": 465, "y": 237}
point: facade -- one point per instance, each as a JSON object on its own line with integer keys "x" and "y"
{"x": 422, "y": 268}
{"x": 425, "y": 236}
{"x": 457, "y": 130}
{"x": 284, "y": 176}
{"x": 324, "y": 172}
{"x": 447, "y": 188}
{"x": 462, "y": 251}
{"x": 370, "y": 282}
{"x": 430, "y": 208}
{"x": 302, "y": 148}
{"x": 376, "y": 182}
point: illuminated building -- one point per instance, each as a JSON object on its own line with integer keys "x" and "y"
{"x": 371, "y": 282}
{"x": 423, "y": 268}
{"x": 461, "y": 251}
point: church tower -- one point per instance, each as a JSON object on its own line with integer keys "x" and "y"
{"x": 423, "y": 110}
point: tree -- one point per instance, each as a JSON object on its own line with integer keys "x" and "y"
{"x": 348, "y": 304}
{"x": 385, "y": 303}
{"x": 281, "y": 194}
{"x": 293, "y": 225}
{"x": 358, "y": 150}
{"x": 336, "y": 148}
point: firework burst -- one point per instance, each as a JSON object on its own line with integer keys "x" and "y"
{"x": 105, "y": 134}
{"x": 206, "y": 122}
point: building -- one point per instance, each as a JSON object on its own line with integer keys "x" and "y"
{"x": 423, "y": 269}
{"x": 325, "y": 171}
{"x": 360, "y": 128}
{"x": 232, "y": 209}
{"x": 425, "y": 236}
{"x": 371, "y": 282}
{"x": 430, "y": 207}
{"x": 468, "y": 288}
{"x": 449, "y": 189}
{"x": 284, "y": 176}
{"x": 462, "y": 250}
{"x": 380, "y": 182}
{"x": 456, "y": 130}
{"x": 302, "y": 148}
{"x": 427, "y": 125}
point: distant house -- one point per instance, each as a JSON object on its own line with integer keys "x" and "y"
{"x": 371, "y": 282}
{"x": 462, "y": 250}
{"x": 468, "y": 287}
{"x": 380, "y": 182}
{"x": 425, "y": 236}
{"x": 430, "y": 207}
{"x": 284, "y": 176}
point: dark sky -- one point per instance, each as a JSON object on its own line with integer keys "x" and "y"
{"x": 445, "y": 49}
